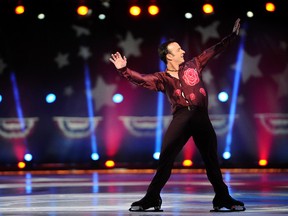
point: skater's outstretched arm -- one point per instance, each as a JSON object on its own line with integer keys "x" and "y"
{"x": 209, "y": 53}
{"x": 150, "y": 81}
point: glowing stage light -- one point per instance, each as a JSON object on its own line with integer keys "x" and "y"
{"x": 109, "y": 163}
{"x": 250, "y": 14}
{"x": 262, "y": 162}
{"x": 50, "y": 98}
{"x": 223, "y": 96}
{"x": 117, "y": 98}
{"x": 270, "y": 7}
{"x": 102, "y": 16}
{"x": 21, "y": 165}
{"x": 153, "y": 10}
{"x": 226, "y": 155}
{"x": 0, "y": 98}
{"x": 82, "y": 10}
{"x": 135, "y": 10}
{"x": 208, "y": 8}
{"x": 187, "y": 163}
{"x": 28, "y": 157}
{"x": 156, "y": 155}
{"x": 188, "y": 15}
{"x": 41, "y": 16}
{"x": 94, "y": 156}
{"x": 20, "y": 9}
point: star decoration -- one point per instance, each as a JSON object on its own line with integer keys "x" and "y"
{"x": 62, "y": 60}
{"x": 212, "y": 101}
{"x": 283, "y": 45}
{"x": 2, "y": 66}
{"x": 207, "y": 76}
{"x": 102, "y": 94}
{"x": 249, "y": 67}
{"x": 106, "y": 3}
{"x": 106, "y": 57}
{"x": 209, "y": 32}
{"x": 68, "y": 91}
{"x": 80, "y": 30}
{"x": 240, "y": 99}
{"x": 282, "y": 80}
{"x": 84, "y": 52}
{"x": 130, "y": 45}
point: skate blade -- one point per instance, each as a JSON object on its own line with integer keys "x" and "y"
{"x": 232, "y": 209}
{"x": 140, "y": 209}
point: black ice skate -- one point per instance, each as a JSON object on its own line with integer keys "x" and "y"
{"x": 145, "y": 204}
{"x": 228, "y": 203}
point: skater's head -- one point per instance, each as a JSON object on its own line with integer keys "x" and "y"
{"x": 171, "y": 51}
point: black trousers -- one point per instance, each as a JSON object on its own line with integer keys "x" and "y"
{"x": 194, "y": 122}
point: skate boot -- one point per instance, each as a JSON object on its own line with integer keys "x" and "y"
{"x": 227, "y": 202}
{"x": 145, "y": 203}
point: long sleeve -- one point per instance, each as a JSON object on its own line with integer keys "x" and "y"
{"x": 209, "y": 53}
{"x": 149, "y": 81}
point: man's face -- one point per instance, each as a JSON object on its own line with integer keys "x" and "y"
{"x": 176, "y": 54}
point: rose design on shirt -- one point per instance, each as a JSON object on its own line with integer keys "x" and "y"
{"x": 202, "y": 91}
{"x": 177, "y": 92}
{"x": 192, "y": 96}
{"x": 191, "y": 77}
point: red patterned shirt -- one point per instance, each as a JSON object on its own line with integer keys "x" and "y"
{"x": 189, "y": 89}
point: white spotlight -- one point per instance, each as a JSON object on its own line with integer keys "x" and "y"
{"x": 226, "y": 155}
{"x": 28, "y": 157}
{"x": 223, "y": 96}
{"x": 188, "y": 15}
{"x": 95, "y": 156}
{"x": 41, "y": 16}
{"x": 102, "y": 16}
{"x": 250, "y": 14}
{"x": 156, "y": 155}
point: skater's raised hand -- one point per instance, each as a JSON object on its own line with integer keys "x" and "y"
{"x": 236, "y": 26}
{"x": 118, "y": 60}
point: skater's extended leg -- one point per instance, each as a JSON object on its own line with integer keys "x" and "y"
{"x": 175, "y": 138}
{"x": 206, "y": 141}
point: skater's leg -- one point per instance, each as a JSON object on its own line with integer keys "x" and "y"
{"x": 175, "y": 138}
{"x": 206, "y": 141}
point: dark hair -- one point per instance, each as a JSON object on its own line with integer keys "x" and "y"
{"x": 163, "y": 50}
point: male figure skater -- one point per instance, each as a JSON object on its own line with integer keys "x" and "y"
{"x": 183, "y": 85}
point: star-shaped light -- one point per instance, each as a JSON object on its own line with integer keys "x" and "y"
{"x": 209, "y": 32}
{"x": 84, "y": 52}
{"x": 207, "y": 76}
{"x": 106, "y": 57}
{"x": 249, "y": 67}
{"x": 213, "y": 101}
{"x": 2, "y": 66}
{"x": 130, "y": 45}
{"x": 283, "y": 45}
{"x": 282, "y": 82}
{"x": 68, "y": 91}
{"x": 81, "y": 30}
{"x": 103, "y": 93}
{"x": 62, "y": 60}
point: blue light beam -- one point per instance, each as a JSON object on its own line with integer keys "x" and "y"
{"x": 159, "y": 128}
{"x": 90, "y": 110}
{"x": 18, "y": 106}
{"x": 232, "y": 111}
